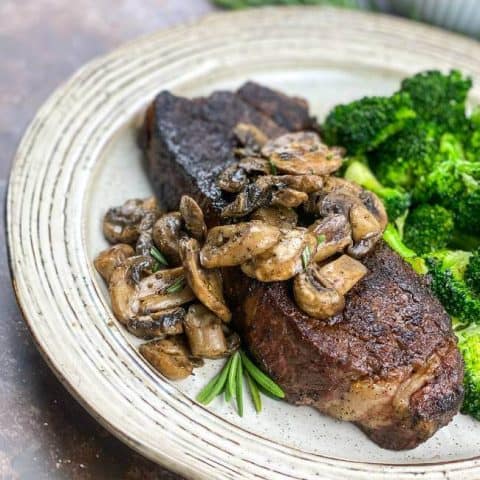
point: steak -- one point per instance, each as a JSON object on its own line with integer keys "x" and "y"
{"x": 389, "y": 362}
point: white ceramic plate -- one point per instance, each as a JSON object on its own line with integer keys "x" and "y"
{"x": 79, "y": 157}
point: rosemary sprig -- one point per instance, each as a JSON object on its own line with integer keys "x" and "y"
{"x": 158, "y": 256}
{"x": 266, "y": 382}
{"x": 230, "y": 381}
{"x": 215, "y": 386}
{"x": 320, "y": 239}
{"x": 239, "y": 387}
{"x": 273, "y": 167}
{"x": 306, "y": 255}
{"x": 254, "y": 393}
{"x": 177, "y": 286}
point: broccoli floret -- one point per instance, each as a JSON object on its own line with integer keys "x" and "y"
{"x": 469, "y": 345}
{"x": 394, "y": 240}
{"x": 454, "y": 183}
{"x": 472, "y": 273}
{"x": 439, "y": 98}
{"x": 447, "y": 269}
{"x": 361, "y": 125}
{"x": 395, "y": 200}
{"x": 407, "y": 156}
{"x": 428, "y": 228}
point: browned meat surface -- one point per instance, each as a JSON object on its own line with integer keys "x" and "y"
{"x": 389, "y": 362}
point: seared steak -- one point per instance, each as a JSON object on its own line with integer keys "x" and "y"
{"x": 389, "y": 362}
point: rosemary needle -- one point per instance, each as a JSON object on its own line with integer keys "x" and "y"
{"x": 239, "y": 387}
{"x": 254, "y": 393}
{"x": 232, "y": 375}
{"x": 158, "y": 256}
{"x": 266, "y": 382}
{"x": 215, "y": 386}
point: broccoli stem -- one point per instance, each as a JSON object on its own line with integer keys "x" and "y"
{"x": 393, "y": 239}
{"x": 360, "y": 173}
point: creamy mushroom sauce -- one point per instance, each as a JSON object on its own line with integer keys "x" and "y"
{"x": 290, "y": 220}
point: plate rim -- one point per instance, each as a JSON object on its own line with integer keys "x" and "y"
{"x": 94, "y": 64}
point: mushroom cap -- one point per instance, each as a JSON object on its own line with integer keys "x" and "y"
{"x": 314, "y": 298}
{"x": 278, "y": 216}
{"x": 169, "y": 356}
{"x": 123, "y": 287}
{"x": 333, "y": 234}
{"x": 206, "y": 284}
{"x": 302, "y": 153}
{"x": 232, "y": 179}
{"x": 342, "y": 274}
{"x": 112, "y": 257}
{"x": 283, "y": 260}
{"x": 167, "y": 231}
{"x": 231, "y": 245}
{"x": 288, "y": 197}
{"x": 193, "y": 217}
{"x": 121, "y": 224}
{"x": 155, "y": 293}
{"x": 204, "y": 332}
{"x": 158, "y": 324}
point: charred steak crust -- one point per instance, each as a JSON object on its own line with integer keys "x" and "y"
{"x": 389, "y": 362}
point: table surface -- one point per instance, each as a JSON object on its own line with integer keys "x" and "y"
{"x": 44, "y": 432}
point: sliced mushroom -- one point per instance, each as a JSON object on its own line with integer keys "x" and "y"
{"x": 166, "y": 234}
{"x": 123, "y": 287}
{"x": 368, "y": 199}
{"x": 306, "y": 139}
{"x": 206, "y": 284}
{"x": 343, "y": 273}
{"x": 253, "y": 196}
{"x": 121, "y": 224}
{"x": 333, "y": 234}
{"x": 376, "y": 207}
{"x": 364, "y": 224}
{"x": 366, "y": 229}
{"x": 252, "y": 164}
{"x": 314, "y": 297}
{"x": 340, "y": 185}
{"x": 302, "y": 153}
{"x": 288, "y": 197}
{"x": 233, "y": 179}
{"x": 193, "y": 217}
{"x": 250, "y": 136}
{"x": 302, "y": 183}
{"x": 133, "y": 296}
{"x": 163, "y": 290}
{"x": 111, "y": 258}
{"x": 169, "y": 356}
{"x": 230, "y": 245}
{"x": 204, "y": 332}
{"x": 281, "y": 217}
{"x": 284, "y": 260}
{"x": 145, "y": 228}
{"x": 158, "y": 324}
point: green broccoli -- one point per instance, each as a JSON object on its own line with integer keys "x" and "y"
{"x": 395, "y": 200}
{"x": 361, "y": 125}
{"x": 447, "y": 269}
{"x": 407, "y": 156}
{"x": 472, "y": 273}
{"x": 454, "y": 182}
{"x": 428, "y": 228}
{"x": 394, "y": 240}
{"x": 440, "y": 98}
{"x": 469, "y": 345}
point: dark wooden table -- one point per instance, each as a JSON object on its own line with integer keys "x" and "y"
{"x": 44, "y": 432}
